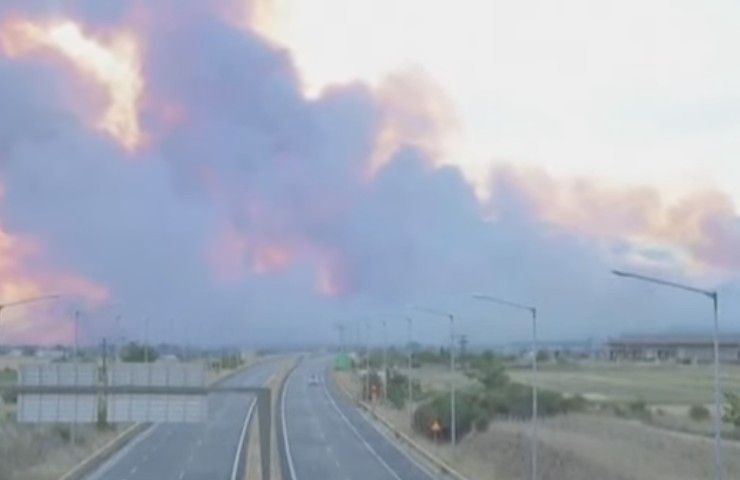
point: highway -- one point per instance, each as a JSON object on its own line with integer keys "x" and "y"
{"x": 327, "y": 438}
{"x": 199, "y": 451}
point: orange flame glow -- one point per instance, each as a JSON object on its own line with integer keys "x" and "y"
{"x": 18, "y": 281}
{"x": 115, "y": 66}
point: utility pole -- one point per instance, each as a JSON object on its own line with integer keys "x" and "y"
{"x": 463, "y": 349}
{"x": 73, "y": 430}
{"x": 104, "y": 346}
{"x": 535, "y": 381}
{"x": 719, "y": 471}
{"x": 385, "y": 361}
{"x": 367, "y": 363}
{"x": 410, "y": 348}
{"x": 453, "y": 412}
{"x": 146, "y": 340}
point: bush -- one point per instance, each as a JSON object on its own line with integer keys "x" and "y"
{"x": 468, "y": 414}
{"x": 515, "y": 401}
{"x": 576, "y": 403}
{"x": 638, "y": 409}
{"x": 489, "y": 371}
{"x": 698, "y": 413}
{"x": 732, "y": 409}
{"x": 135, "y": 352}
{"x": 398, "y": 389}
{"x": 476, "y": 409}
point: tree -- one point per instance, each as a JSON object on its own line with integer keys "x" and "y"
{"x": 489, "y": 371}
{"x": 135, "y": 352}
{"x": 732, "y": 409}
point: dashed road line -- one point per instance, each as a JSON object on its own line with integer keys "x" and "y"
{"x": 359, "y": 435}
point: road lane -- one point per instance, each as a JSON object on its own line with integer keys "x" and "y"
{"x": 329, "y": 439}
{"x": 201, "y": 451}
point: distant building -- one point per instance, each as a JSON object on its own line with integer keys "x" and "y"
{"x": 673, "y": 348}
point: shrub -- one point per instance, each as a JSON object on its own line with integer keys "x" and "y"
{"x": 635, "y": 409}
{"x": 698, "y": 413}
{"x": 398, "y": 389}
{"x": 732, "y": 409}
{"x": 515, "y": 400}
{"x": 135, "y": 352}
{"x": 468, "y": 414}
{"x": 576, "y": 403}
{"x": 638, "y": 409}
{"x": 489, "y": 371}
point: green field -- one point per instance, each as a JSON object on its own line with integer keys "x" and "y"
{"x": 656, "y": 384}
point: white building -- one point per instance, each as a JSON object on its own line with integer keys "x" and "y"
{"x": 676, "y": 348}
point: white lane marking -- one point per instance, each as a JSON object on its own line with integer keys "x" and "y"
{"x": 401, "y": 448}
{"x": 425, "y": 469}
{"x": 359, "y": 435}
{"x": 110, "y": 463}
{"x": 133, "y": 470}
{"x": 240, "y": 445}
{"x": 288, "y": 455}
{"x": 242, "y": 436}
{"x": 181, "y": 476}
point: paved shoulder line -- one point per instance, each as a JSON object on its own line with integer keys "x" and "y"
{"x": 286, "y": 445}
{"x": 108, "y": 463}
{"x": 242, "y": 436}
{"x": 425, "y": 461}
{"x": 357, "y": 432}
{"x": 139, "y": 431}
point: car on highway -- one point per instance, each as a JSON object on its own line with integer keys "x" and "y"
{"x": 313, "y": 380}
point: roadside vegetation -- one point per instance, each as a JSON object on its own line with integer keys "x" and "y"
{"x": 493, "y": 397}
{"x": 659, "y": 416}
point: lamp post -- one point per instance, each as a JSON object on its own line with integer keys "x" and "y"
{"x": 385, "y": 360}
{"x": 533, "y": 312}
{"x": 453, "y": 413}
{"x": 410, "y": 322}
{"x": 367, "y": 363}
{"x": 714, "y": 297}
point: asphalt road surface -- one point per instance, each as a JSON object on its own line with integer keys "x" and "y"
{"x": 329, "y": 439}
{"x": 199, "y": 451}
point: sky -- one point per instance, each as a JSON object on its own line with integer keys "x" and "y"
{"x": 257, "y": 172}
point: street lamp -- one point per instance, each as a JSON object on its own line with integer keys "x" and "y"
{"x": 533, "y": 312}
{"x": 385, "y": 360}
{"x": 410, "y": 322}
{"x": 367, "y": 362}
{"x": 453, "y": 413}
{"x": 714, "y": 297}
{"x": 27, "y": 301}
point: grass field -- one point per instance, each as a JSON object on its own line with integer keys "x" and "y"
{"x": 574, "y": 447}
{"x": 667, "y": 384}
{"x": 438, "y": 377}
